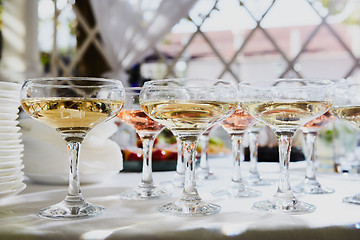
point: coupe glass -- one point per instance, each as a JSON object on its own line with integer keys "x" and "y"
{"x": 254, "y": 178}
{"x": 148, "y": 130}
{"x": 311, "y": 130}
{"x": 236, "y": 126}
{"x": 285, "y": 105}
{"x": 72, "y": 106}
{"x": 188, "y": 107}
{"x": 347, "y": 107}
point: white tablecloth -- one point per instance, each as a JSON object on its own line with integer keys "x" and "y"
{"x": 140, "y": 219}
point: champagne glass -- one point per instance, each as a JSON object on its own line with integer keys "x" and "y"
{"x": 72, "y": 106}
{"x": 254, "y": 178}
{"x": 285, "y": 105}
{"x": 347, "y": 107}
{"x": 236, "y": 126}
{"x": 188, "y": 107}
{"x": 311, "y": 130}
{"x": 148, "y": 130}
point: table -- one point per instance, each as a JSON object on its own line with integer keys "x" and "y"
{"x": 140, "y": 219}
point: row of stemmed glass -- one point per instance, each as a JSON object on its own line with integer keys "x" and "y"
{"x": 185, "y": 107}
{"x": 188, "y": 107}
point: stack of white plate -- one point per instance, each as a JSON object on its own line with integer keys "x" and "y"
{"x": 11, "y": 148}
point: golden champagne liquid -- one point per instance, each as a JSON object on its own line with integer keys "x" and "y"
{"x": 239, "y": 121}
{"x": 71, "y": 115}
{"x": 349, "y": 113}
{"x": 139, "y": 120}
{"x": 188, "y": 117}
{"x": 286, "y": 115}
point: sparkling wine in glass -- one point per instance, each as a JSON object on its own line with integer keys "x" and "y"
{"x": 285, "y": 105}
{"x": 236, "y": 126}
{"x": 72, "y": 106}
{"x": 254, "y": 178}
{"x": 347, "y": 107}
{"x": 188, "y": 107}
{"x": 310, "y": 185}
{"x": 148, "y": 130}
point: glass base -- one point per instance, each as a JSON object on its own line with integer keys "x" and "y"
{"x": 190, "y": 208}
{"x": 312, "y": 187}
{"x": 259, "y": 182}
{"x": 236, "y": 192}
{"x": 353, "y": 199}
{"x": 144, "y": 194}
{"x": 71, "y": 210}
{"x": 177, "y": 182}
{"x": 284, "y": 206}
{"x": 205, "y": 174}
{"x": 170, "y": 186}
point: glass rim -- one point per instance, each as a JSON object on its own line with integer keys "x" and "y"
{"x": 132, "y": 88}
{"x": 344, "y": 85}
{"x": 42, "y": 81}
{"x": 132, "y": 91}
{"x": 325, "y": 82}
{"x": 159, "y": 81}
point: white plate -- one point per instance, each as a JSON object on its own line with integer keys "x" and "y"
{"x": 9, "y": 136}
{"x": 9, "y": 103}
{"x": 10, "y": 142}
{"x": 10, "y": 164}
{"x": 11, "y": 171}
{"x": 10, "y": 92}
{"x": 63, "y": 179}
{"x": 8, "y": 185}
{"x": 8, "y": 123}
{"x": 12, "y": 177}
{"x": 14, "y": 97}
{"x": 11, "y": 152}
{"x": 7, "y": 109}
{"x": 11, "y": 158}
{"x": 13, "y": 104}
{"x": 10, "y": 86}
{"x": 9, "y": 100}
{"x": 12, "y": 146}
{"x": 9, "y": 129}
{"x": 9, "y": 116}
{"x": 13, "y": 191}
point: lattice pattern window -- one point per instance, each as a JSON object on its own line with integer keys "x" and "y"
{"x": 252, "y": 49}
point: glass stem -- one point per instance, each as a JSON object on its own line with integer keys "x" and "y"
{"x": 74, "y": 193}
{"x": 190, "y": 192}
{"x": 253, "y": 146}
{"x": 204, "y": 141}
{"x": 310, "y": 155}
{"x": 285, "y": 142}
{"x": 147, "y": 180}
{"x": 180, "y": 165}
{"x": 238, "y": 157}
